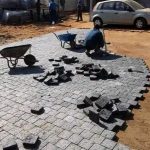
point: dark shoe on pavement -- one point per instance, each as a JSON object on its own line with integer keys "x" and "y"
{"x": 88, "y": 53}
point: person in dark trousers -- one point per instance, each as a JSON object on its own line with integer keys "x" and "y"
{"x": 53, "y": 11}
{"x": 79, "y": 10}
{"x": 38, "y": 10}
{"x": 94, "y": 40}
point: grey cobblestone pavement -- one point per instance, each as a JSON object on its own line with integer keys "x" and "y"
{"x": 63, "y": 126}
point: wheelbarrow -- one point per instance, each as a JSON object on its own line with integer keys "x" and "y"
{"x": 68, "y": 38}
{"x": 12, "y": 54}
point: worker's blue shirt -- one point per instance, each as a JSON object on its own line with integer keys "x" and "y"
{"x": 53, "y": 6}
{"x": 93, "y": 39}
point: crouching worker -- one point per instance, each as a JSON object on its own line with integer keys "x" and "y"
{"x": 94, "y": 40}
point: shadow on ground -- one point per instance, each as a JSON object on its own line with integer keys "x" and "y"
{"x": 26, "y": 70}
{"x": 105, "y": 57}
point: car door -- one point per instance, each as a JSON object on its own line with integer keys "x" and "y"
{"x": 124, "y": 13}
{"x": 107, "y": 12}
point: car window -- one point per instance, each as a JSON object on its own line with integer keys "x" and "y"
{"x": 135, "y": 5}
{"x": 120, "y": 6}
{"x": 108, "y": 6}
{"x": 99, "y": 6}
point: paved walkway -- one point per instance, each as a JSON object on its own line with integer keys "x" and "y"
{"x": 62, "y": 126}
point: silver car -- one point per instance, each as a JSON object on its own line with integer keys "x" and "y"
{"x": 125, "y": 12}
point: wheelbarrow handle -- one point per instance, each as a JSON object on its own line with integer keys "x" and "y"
{"x": 56, "y": 35}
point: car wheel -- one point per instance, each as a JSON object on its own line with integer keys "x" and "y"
{"x": 98, "y": 21}
{"x": 140, "y": 23}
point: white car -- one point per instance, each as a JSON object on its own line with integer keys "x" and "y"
{"x": 123, "y": 12}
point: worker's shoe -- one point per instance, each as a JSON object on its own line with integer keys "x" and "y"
{"x": 88, "y": 53}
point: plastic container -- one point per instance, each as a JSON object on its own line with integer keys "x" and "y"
{"x": 15, "y": 17}
{"x": 17, "y": 4}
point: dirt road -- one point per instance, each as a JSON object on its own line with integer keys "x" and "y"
{"x": 123, "y": 41}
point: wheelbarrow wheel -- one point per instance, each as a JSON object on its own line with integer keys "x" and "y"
{"x": 30, "y": 60}
{"x": 72, "y": 44}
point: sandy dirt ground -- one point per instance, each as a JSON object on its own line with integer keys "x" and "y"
{"x": 126, "y": 41}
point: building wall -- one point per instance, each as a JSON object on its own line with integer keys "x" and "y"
{"x": 145, "y": 3}
{"x": 70, "y": 5}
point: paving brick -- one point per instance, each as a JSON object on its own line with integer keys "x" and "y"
{"x": 105, "y": 114}
{"x": 73, "y": 147}
{"x": 69, "y": 119}
{"x": 87, "y": 144}
{"x": 53, "y": 139}
{"x": 97, "y": 147}
{"x": 120, "y": 146}
{"x": 68, "y": 126}
{"x": 87, "y": 126}
{"x": 79, "y": 115}
{"x": 108, "y": 143}
{"x": 97, "y": 129}
{"x": 65, "y": 134}
{"x": 63, "y": 144}
{"x": 50, "y": 147}
{"x": 97, "y": 139}
{"x": 102, "y": 102}
{"x": 108, "y": 134}
{"x": 75, "y": 138}
{"x": 61, "y": 115}
{"x": 77, "y": 129}
{"x": 87, "y": 101}
{"x": 58, "y": 122}
{"x": 86, "y": 134}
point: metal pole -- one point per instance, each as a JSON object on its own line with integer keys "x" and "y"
{"x": 91, "y": 6}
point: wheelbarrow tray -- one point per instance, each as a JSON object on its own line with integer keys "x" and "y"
{"x": 67, "y": 37}
{"x": 15, "y": 52}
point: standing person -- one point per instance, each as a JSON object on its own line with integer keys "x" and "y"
{"x": 38, "y": 10}
{"x": 94, "y": 40}
{"x": 53, "y": 11}
{"x": 79, "y": 10}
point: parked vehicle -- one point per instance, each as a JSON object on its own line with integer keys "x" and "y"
{"x": 123, "y": 12}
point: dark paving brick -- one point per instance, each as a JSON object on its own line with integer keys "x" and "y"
{"x": 31, "y": 141}
{"x": 10, "y": 144}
